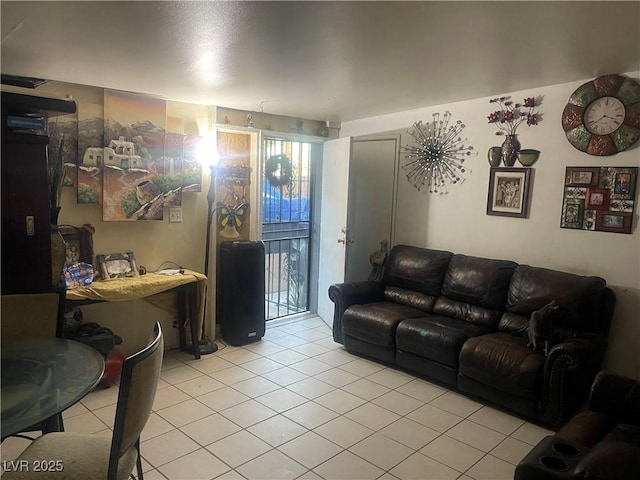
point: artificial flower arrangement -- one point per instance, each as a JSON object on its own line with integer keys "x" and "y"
{"x": 511, "y": 114}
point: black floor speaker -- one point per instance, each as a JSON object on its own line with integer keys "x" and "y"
{"x": 240, "y": 301}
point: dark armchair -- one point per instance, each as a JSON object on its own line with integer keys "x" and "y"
{"x": 601, "y": 442}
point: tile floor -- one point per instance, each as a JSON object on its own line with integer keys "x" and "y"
{"x": 297, "y": 405}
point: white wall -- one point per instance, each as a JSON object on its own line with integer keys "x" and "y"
{"x": 458, "y": 221}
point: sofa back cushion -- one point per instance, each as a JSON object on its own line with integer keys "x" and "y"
{"x": 475, "y": 289}
{"x": 411, "y": 298}
{"x": 413, "y": 276}
{"x": 580, "y": 299}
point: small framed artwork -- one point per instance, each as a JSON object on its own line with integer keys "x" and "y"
{"x": 79, "y": 242}
{"x": 509, "y": 192}
{"x": 582, "y": 176}
{"x": 597, "y": 199}
{"x": 117, "y": 265}
{"x": 619, "y": 222}
{"x": 623, "y": 183}
{"x": 572, "y": 213}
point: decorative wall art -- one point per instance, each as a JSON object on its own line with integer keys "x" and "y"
{"x": 602, "y": 117}
{"x": 134, "y": 134}
{"x": 90, "y": 153}
{"x": 231, "y": 218}
{"x": 233, "y": 178}
{"x": 438, "y": 158}
{"x": 509, "y": 116}
{"x": 509, "y": 192}
{"x": 278, "y": 170}
{"x": 181, "y": 165}
{"x": 133, "y": 159}
{"x": 599, "y": 198}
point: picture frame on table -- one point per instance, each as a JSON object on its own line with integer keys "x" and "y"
{"x": 79, "y": 244}
{"x": 117, "y": 265}
{"x": 509, "y": 192}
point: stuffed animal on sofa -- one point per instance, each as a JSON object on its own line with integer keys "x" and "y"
{"x": 540, "y": 328}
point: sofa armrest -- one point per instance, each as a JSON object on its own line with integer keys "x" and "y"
{"x": 568, "y": 373}
{"x": 343, "y": 295}
{"x": 616, "y": 395}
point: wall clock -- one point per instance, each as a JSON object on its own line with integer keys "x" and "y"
{"x": 602, "y": 116}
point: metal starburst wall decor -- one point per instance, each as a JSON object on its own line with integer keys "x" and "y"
{"x": 438, "y": 158}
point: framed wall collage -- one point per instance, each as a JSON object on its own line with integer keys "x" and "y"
{"x": 599, "y": 198}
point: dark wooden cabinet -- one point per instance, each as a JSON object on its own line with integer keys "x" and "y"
{"x": 26, "y": 217}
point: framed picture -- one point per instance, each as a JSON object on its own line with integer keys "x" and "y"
{"x": 509, "y": 192}
{"x": 623, "y": 183}
{"x": 597, "y": 199}
{"x": 117, "y": 265}
{"x": 572, "y": 213}
{"x": 619, "y": 222}
{"x": 79, "y": 241}
{"x": 582, "y": 176}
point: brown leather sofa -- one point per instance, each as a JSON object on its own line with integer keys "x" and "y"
{"x": 599, "y": 443}
{"x": 462, "y": 321}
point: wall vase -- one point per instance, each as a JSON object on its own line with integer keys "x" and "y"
{"x": 510, "y": 148}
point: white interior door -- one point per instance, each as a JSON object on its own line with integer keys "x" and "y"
{"x": 373, "y": 169}
{"x": 333, "y": 219}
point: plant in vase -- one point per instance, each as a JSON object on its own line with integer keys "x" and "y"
{"x": 57, "y": 173}
{"x": 508, "y": 118}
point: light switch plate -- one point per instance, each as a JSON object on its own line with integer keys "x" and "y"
{"x": 175, "y": 215}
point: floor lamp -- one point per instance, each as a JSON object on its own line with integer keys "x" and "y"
{"x": 206, "y": 346}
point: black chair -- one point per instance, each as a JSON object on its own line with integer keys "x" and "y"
{"x": 96, "y": 456}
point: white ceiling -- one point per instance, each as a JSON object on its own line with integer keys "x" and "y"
{"x": 320, "y": 60}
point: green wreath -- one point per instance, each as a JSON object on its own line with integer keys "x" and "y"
{"x": 278, "y": 170}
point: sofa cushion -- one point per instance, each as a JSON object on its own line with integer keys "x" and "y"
{"x": 587, "y": 428}
{"x": 410, "y": 298}
{"x": 503, "y": 362}
{"x": 479, "y": 281}
{"x": 610, "y": 460}
{"x": 418, "y": 269}
{"x": 436, "y": 338}
{"x": 486, "y": 317}
{"x": 376, "y": 322}
{"x": 580, "y": 297}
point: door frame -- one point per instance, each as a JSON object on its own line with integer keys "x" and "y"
{"x": 315, "y": 187}
{"x": 332, "y": 260}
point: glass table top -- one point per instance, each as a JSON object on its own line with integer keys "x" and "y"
{"x": 42, "y": 377}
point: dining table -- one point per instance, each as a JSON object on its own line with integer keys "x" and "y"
{"x": 42, "y": 377}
